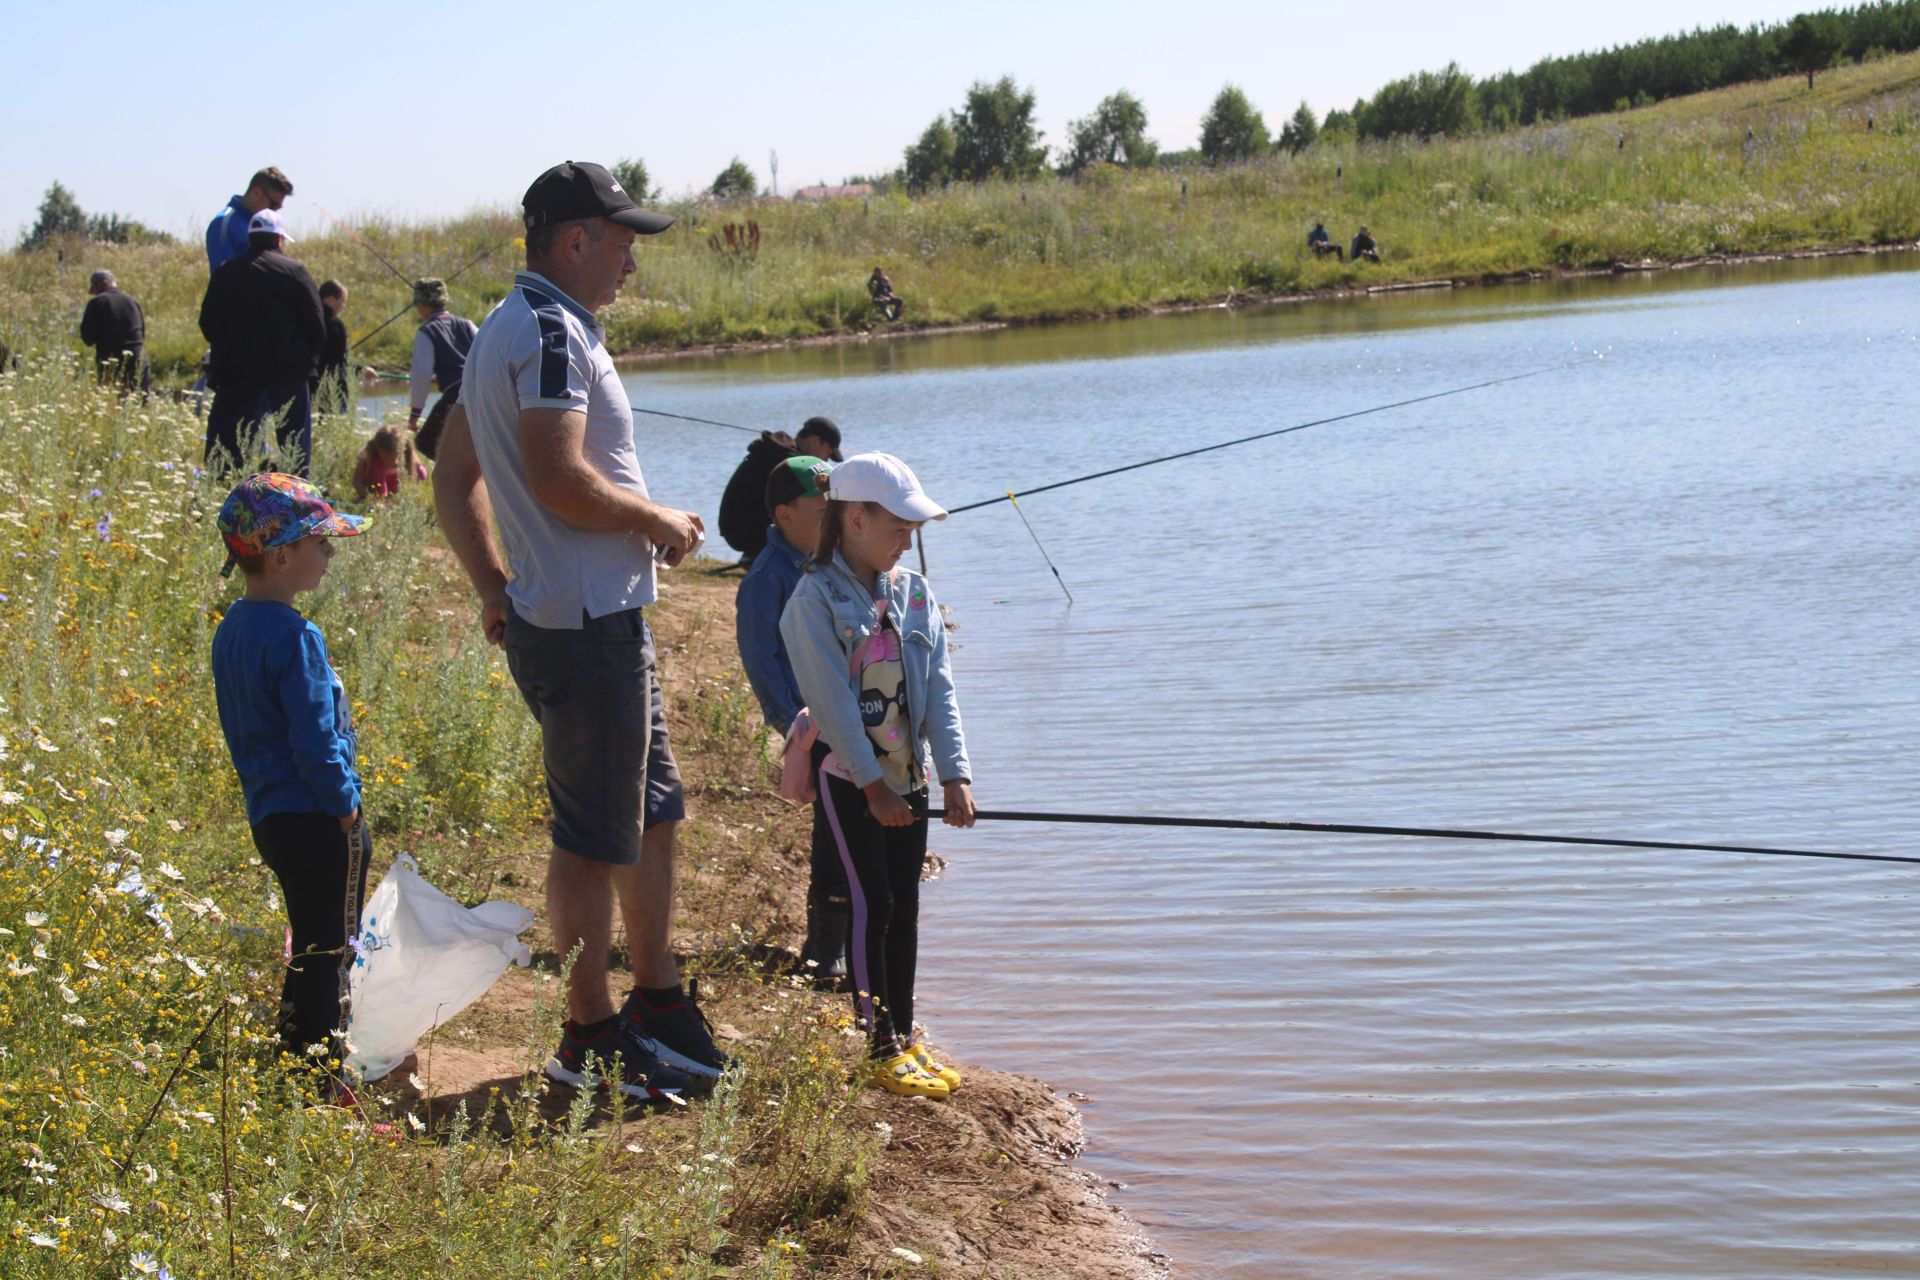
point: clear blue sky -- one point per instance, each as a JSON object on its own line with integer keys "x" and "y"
{"x": 160, "y": 112}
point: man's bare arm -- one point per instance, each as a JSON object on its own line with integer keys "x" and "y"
{"x": 466, "y": 516}
{"x": 553, "y": 445}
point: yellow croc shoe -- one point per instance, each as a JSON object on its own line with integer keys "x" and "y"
{"x": 939, "y": 1070}
{"x": 901, "y": 1074}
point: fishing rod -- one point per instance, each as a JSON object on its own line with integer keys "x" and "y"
{"x": 409, "y": 307}
{"x": 364, "y": 245}
{"x": 1432, "y": 833}
{"x": 731, "y": 426}
{"x": 1262, "y": 435}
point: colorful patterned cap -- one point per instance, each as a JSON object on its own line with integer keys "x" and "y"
{"x": 430, "y": 292}
{"x": 273, "y": 509}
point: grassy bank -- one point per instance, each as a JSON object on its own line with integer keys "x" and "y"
{"x": 1755, "y": 168}
{"x": 144, "y": 1119}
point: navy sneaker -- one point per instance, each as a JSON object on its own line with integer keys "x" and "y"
{"x": 679, "y": 1033}
{"x": 620, "y": 1061}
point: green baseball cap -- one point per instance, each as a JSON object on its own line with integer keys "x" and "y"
{"x": 804, "y": 476}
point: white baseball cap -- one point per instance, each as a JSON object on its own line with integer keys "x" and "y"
{"x": 883, "y": 478}
{"x": 268, "y": 222}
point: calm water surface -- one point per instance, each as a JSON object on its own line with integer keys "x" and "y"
{"x": 1668, "y": 592}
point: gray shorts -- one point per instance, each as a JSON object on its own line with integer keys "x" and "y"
{"x": 603, "y": 731}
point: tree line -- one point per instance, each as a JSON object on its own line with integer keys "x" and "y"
{"x": 992, "y": 133}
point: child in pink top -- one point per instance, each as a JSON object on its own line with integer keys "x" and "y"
{"x": 387, "y": 458}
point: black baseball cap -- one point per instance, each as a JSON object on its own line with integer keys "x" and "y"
{"x": 577, "y": 189}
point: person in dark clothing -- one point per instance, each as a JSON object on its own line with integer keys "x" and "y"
{"x": 880, "y": 289}
{"x": 743, "y": 505}
{"x": 1363, "y": 247}
{"x": 1321, "y": 243}
{"x": 263, "y": 320}
{"x": 114, "y": 326}
{"x": 328, "y": 387}
{"x": 439, "y": 356}
{"x": 743, "y": 511}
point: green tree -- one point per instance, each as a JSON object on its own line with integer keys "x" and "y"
{"x": 1809, "y": 43}
{"x": 993, "y": 134}
{"x": 929, "y": 162}
{"x": 1116, "y": 133}
{"x": 1432, "y": 102}
{"x": 111, "y": 228}
{"x": 632, "y": 174}
{"x": 734, "y": 181}
{"x": 1299, "y": 133}
{"x": 60, "y": 216}
{"x": 1232, "y": 130}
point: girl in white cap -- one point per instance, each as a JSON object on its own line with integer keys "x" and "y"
{"x": 869, "y": 653}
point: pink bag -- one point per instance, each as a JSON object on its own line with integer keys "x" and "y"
{"x": 796, "y": 767}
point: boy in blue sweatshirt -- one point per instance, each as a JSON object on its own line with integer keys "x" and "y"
{"x": 289, "y": 730}
{"x": 796, "y": 501}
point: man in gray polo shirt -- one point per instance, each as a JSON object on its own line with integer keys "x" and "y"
{"x": 546, "y": 444}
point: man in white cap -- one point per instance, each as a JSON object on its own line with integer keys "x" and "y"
{"x": 263, "y": 319}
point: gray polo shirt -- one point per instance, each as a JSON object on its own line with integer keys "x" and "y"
{"x": 541, "y": 349}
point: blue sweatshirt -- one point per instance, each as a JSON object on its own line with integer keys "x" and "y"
{"x": 227, "y": 233}
{"x": 762, "y": 597}
{"x": 284, "y": 713}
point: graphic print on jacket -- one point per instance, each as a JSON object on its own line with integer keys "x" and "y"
{"x": 883, "y": 706}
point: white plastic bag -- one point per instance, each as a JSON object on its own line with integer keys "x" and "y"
{"x": 422, "y": 959}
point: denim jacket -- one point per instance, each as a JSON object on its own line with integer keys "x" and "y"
{"x": 829, "y": 617}
{"x": 762, "y": 598}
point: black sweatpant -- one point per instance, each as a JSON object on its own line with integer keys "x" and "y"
{"x": 323, "y": 878}
{"x": 882, "y": 866}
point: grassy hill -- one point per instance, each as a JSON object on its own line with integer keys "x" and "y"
{"x": 1757, "y": 167}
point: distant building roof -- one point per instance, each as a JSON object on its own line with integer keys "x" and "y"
{"x": 850, "y": 191}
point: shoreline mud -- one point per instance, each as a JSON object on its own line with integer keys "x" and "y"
{"x": 982, "y": 1186}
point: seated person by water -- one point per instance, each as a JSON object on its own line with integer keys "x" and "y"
{"x": 1321, "y": 243}
{"x": 1363, "y": 247}
{"x": 880, "y": 289}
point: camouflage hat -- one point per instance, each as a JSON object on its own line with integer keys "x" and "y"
{"x": 430, "y": 292}
{"x": 273, "y": 509}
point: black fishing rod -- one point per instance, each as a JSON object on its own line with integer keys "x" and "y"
{"x": 1262, "y": 435}
{"x": 1432, "y": 833}
{"x": 409, "y": 307}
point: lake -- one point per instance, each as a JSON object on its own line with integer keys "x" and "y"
{"x": 1665, "y": 591}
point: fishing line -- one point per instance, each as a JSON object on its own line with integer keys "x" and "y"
{"x": 409, "y": 307}
{"x": 1036, "y": 542}
{"x": 1263, "y": 435}
{"x": 662, "y": 413}
{"x": 1435, "y": 833}
{"x": 364, "y": 245}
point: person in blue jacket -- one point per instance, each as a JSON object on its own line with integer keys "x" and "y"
{"x": 227, "y": 233}
{"x": 869, "y": 651}
{"x": 796, "y": 502}
{"x": 290, "y": 732}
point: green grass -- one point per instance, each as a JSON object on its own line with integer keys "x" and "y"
{"x": 138, "y": 933}
{"x": 1688, "y": 182}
